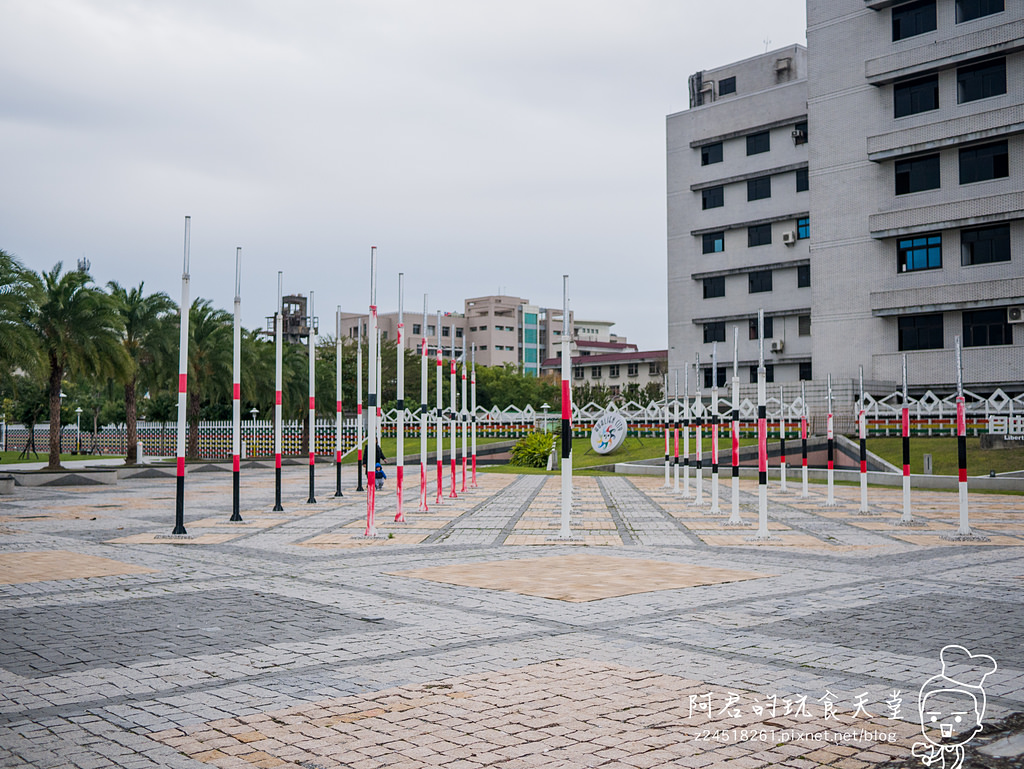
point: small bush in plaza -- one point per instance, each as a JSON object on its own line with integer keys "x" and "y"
{"x": 533, "y": 450}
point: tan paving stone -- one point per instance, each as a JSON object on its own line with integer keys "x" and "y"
{"x": 157, "y": 539}
{"x": 43, "y": 565}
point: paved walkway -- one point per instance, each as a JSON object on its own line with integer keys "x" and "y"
{"x": 470, "y": 636}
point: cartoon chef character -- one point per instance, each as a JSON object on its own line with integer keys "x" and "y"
{"x": 952, "y": 706}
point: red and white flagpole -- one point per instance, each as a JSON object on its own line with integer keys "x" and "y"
{"x": 782, "y": 440}
{"x": 675, "y": 436}
{"x": 179, "y": 505}
{"x": 472, "y": 416}
{"x": 964, "y": 531}
{"x": 803, "y": 440}
{"x": 830, "y": 436}
{"x": 236, "y": 394}
{"x": 278, "y": 333}
{"x": 311, "y": 325}
{"x": 423, "y": 410}
{"x": 400, "y": 435}
{"x": 339, "y": 414}
{"x": 715, "y": 510}
{"x": 907, "y": 519}
{"x": 762, "y": 435}
{"x": 440, "y": 418}
{"x": 359, "y": 404}
{"x": 686, "y": 430}
{"x": 862, "y": 432}
{"x": 566, "y": 464}
{"x": 464, "y": 415}
{"x": 698, "y": 414}
{"x": 668, "y": 457}
{"x": 371, "y": 404}
{"x": 734, "y": 513}
{"x": 453, "y": 429}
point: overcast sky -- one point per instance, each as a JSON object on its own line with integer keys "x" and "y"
{"x": 483, "y": 146}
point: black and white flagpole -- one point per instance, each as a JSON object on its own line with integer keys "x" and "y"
{"x": 472, "y": 416}
{"x": 907, "y": 519}
{"x": 803, "y": 440}
{"x": 339, "y": 414}
{"x": 400, "y": 428}
{"x": 862, "y": 433}
{"x": 665, "y": 419}
{"x": 830, "y": 435}
{"x": 440, "y": 417}
{"x": 236, "y": 394}
{"x": 734, "y": 513}
{"x": 464, "y": 415}
{"x": 566, "y": 464}
{"x": 762, "y": 435}
{"x": 424, "y": 415}
{"x": 311, "y": 325}
{"x": 278, "y": 332}
{"x": 371, "y": 404}
{"x": 179, "y": 504}
{"x": 675, "y": 435}
{"x": 698, "y": 414}
{"x": 686, "y": 430}
{"x": 359, "y": 404}
{"x": 782, "y": 440}
{"x": 453, "y": 416}
{"x": 714, "y": 430}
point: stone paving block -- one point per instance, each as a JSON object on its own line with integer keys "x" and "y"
{"x": 37, "y": 566}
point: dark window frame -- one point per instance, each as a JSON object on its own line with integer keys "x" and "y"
{"x": 711, "y": 154}
{"x": 759, "y": 235}
{"x": 714, "y": 287}
{"x": 769, "y": 373}
{"x": 713, "y": 239}
{"x": 758, "y": 143}
{"x": 918, "y": 253}
{"x": 759, "y": 281}
{"x": 984, "y": 162}
{"x": 803, "y": 325}
{"x": 759, "y": 188}
{"x": 918, "y": 174}
{"x": 985, "y": 250}
{"x": 714, "y": 331}
{"x": 981, "y": 80}
{"x": 727, "y": 85}
{"x": 981, "y": 9}
{"x": 913, "y": 19}
{"x": 712, "y": 197}
{"x": 920, "y": 332}
{"x": 803, "y": 276}
{"x": 805, "y": 372}
{"x": 769, "y": 328}
{"x": 803, "y": 228}
{"x": 803, "y": 181}
{"x": 988, "y": 328}
{"x": 912, "y": 97}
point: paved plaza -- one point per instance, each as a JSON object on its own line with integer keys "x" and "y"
{"x": 470, "y": 636}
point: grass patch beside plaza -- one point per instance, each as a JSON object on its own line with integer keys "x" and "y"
{"x": 13, "y": 457}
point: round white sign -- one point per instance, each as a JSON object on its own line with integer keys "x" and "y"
{"x": 609, "y": 432}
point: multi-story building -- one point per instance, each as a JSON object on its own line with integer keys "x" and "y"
{"x": 916, "y": 114}
{"x": 614, "y": 370}
{"x": 739, "y": 218}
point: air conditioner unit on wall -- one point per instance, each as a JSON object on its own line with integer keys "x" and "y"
{"x": 1015, "y": 315}
{"x": 777, "y": 345}
{"x": 789, "y": 237}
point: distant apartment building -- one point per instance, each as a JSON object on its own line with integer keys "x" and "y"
{"x": 614, "y": 369}
{"x": 739, "y": 219}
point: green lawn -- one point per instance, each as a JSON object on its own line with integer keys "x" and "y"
{"x": 11, "y": 457}
{"x": 944, "y": 455}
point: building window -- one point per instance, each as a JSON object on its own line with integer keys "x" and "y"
{"x": 711, "y": 153}
{"x": 458, "y": 332}
{"x": 913, "y": 96}
{"x": 769, "y": 373}
{"x": 712, "y": 197}
{"x": 714, "y": 332}
{"x": 805, "y": 372}
{"x": 802, "y": 181}
{"x": 654, "y": 369}
{"x": 913, "y": 19}
{"x": 917, "y": 174}
{"x": 577, "y": 373}
{"x": 595, "y": 372}
{"x": 985, "y": 244}
{"x": 803, "y": 325}
{"x": 726, "y": 85}
{"x": 530, "y": 335}
{"x": 984, "y": 162}
{"x": 760, "y": 188}
{"x": 979, "y": 81}
{"x": 416, "y": 328}
{"x": 759, "y": 235}
{"x": 758, "y": 143}
{"x": 985, "y": 328}
{"x": 530, "y": 354}
{"x": 800, "y": 133}
{"x": 613, "y": 371}
{"x": 759, "y": 281}
{"x": 713, "y": 242}
{"x": 923, "y": 252}
{"x": 483, "y": 328}
{"x": 920, "y": 332}
{"x": 769, "y": 328}
{"x": 483, "y": 347}
{"x": 803, "y": 276}
{"x": 446, "y": 330}
{"x": 632, "y": 369}
{"x": 709, "y": 382}
{"x": 803, "y": 228}
{"x": 966, "y": 10}
{"x": 714, "y": 287}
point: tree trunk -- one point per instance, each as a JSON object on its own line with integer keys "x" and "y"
{"x": 131, "y": 430}
{"x": 56, "y": 375}
{"x": 192, "y": 451}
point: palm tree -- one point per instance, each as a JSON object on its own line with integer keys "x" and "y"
{"x": 78, "y": 330}
{"x": 148, "y": 340}
{"x": 209, "y": 362}
{"x": 16, "y": 289}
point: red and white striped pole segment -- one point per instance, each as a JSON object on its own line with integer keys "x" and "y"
{"x": 371, "y": 404}
{"x": 762, "y": 434}
{"x": 675, "y": 419}
{"x": 359, "y": 404}
{"x": 179, "y": 505}
{"x": 464, "y": 415}
{"x": 440, "y": 417}
{"x": 400, "y": 434}
{"x": 472, "y": 415}
{"x": 566, "y": 465}
{"x": 452, "y": 415}
{"x": 698, "y": 413}
{"x": 734, "y": 513}
{"x": 665, "y": 420}
{"x": 862, "y": 431}
{"x": 830, "y": 436}
{"x": 803, "y": 440}
{"x": 311, "y": 321}
{"x": 961, "y": 446}
{"x": 339, "y": 413}
{"x": 715, "y": 510}
{"x": 907, "y": 519}
{"x": 686, "y": 430}
{"x": 278, "y": 366}
{"x": 423, "y": 410}
{"x": 236, "y": 393}
{"x": 782, "y": 439}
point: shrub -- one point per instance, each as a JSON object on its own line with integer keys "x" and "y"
{"x": 532, "y": 450}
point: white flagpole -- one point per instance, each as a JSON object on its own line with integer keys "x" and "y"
{"x": 179, "y": 505}
{"x": 400, "y": 428}
{"x": 423, "y": 410}
{"x": 312, "y": 399}
{"x": 236, "y": 394}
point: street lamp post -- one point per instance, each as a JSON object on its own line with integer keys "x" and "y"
{"x": 254, "y": 411}
{"x": 78, "y": 430}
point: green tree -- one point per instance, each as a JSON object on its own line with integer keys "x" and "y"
{"x": 78, "y": 330}
{"x": 17, "y": 346}
{"x": 209, "y": 363}
{"x": 148, "y": 341}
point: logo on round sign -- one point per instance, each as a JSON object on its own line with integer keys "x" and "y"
{"x": 608, "y": 434}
